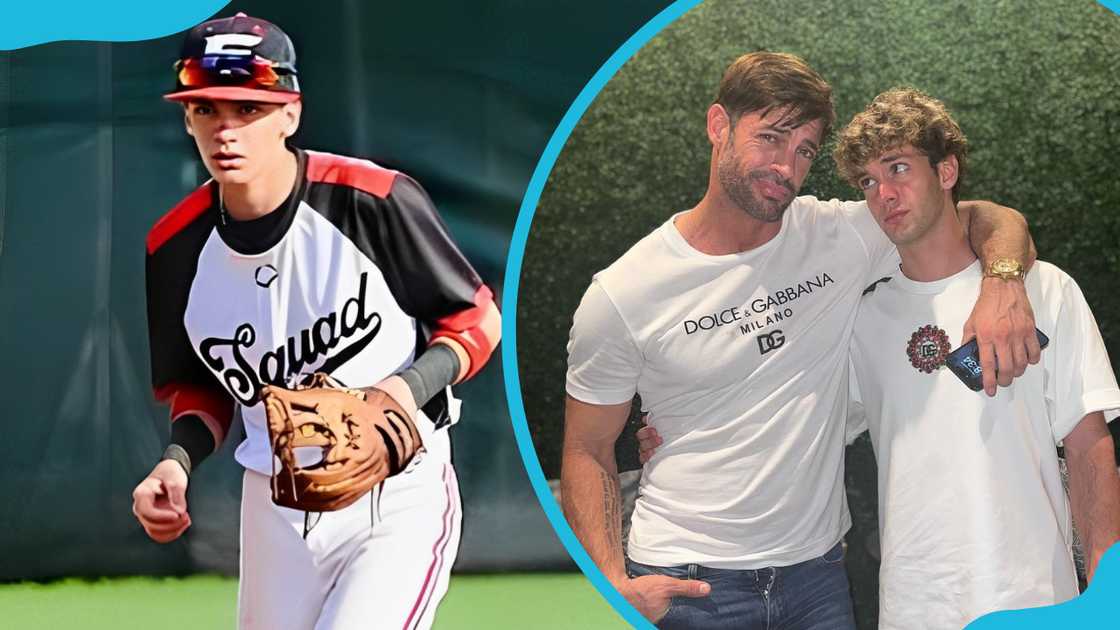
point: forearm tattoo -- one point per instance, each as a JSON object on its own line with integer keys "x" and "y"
{"x": 612, "y": 509}
{"x": 1094, "y": 497}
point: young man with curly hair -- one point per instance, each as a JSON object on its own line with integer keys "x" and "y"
{"x": 972, "y": 513}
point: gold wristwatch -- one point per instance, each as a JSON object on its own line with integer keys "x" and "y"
{"x": 1006, "y": 268}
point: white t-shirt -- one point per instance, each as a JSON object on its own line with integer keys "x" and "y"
{"x": 973, "y": 517}
{"x": 741, "y": 360}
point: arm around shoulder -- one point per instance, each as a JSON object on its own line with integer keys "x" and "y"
{"x": 1002, "y": 321}
{"x": 997, "y": 231}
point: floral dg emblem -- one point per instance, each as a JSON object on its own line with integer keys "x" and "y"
{"x": 927, "y": 348}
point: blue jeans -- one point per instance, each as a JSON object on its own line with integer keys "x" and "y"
{"x": 812, "y": 595}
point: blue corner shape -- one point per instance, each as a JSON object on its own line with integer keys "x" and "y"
{"x": 1094, "y": 609}
{"x": 31, "y": 23}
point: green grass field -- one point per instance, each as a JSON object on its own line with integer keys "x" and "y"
{"x": 493, "y": 602}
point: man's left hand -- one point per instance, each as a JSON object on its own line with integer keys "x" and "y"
{"x": 1003, "y": 324}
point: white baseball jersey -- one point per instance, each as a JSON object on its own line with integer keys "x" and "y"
{"x": 973, "y": 517}
{"x": 741, "y": 361}
{"x": 347, "y": 277}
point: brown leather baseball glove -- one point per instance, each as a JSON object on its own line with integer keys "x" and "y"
{"x": 361, "y": 439}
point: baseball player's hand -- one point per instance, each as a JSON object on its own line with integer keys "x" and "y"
{"x": 1003, "y": 324}
{"x": 652, "y": 594}
{"x": 160, "y": 502}
{"x": 648, "y": 441}
{"x": 396, "y": 387}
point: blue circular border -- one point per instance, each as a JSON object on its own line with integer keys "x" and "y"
{"x": 1035, "y": 618}
{"x": 33, "y": 23}
{"x": 509, "y": 305}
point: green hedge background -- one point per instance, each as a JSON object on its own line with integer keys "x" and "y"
{"x": 1034, "y": 85}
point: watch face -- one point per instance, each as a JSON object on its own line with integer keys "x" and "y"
{"x": 1006, "y": 266}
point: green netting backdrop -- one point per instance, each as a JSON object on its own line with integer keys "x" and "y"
{"x": 463, "y": 96}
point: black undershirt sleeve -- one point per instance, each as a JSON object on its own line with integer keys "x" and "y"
{"x": 190, "y": 434}
{"x": 431, "y": 372}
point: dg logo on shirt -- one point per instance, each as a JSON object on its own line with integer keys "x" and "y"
{"x": 770, "y": 341}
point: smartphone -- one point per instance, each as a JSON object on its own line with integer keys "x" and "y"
{"x": 965, "y": 362}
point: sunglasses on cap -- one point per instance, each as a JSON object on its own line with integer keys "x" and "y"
{"x": 241, "y": 70}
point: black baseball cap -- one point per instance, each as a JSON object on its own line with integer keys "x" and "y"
{"x": 238, "y": 58}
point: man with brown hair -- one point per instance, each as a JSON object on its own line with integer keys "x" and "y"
{"x": 972, "y": 514}
{"x": 732, "y": 320}
{"x": 286, "y": 264}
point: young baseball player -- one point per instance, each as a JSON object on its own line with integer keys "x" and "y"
{"x": 287, "y": 263}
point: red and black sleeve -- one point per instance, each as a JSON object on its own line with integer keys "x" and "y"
{"x": 437, "y": 284}
{"x": 391, "y": 219}
{"x": 179, "y": 378}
